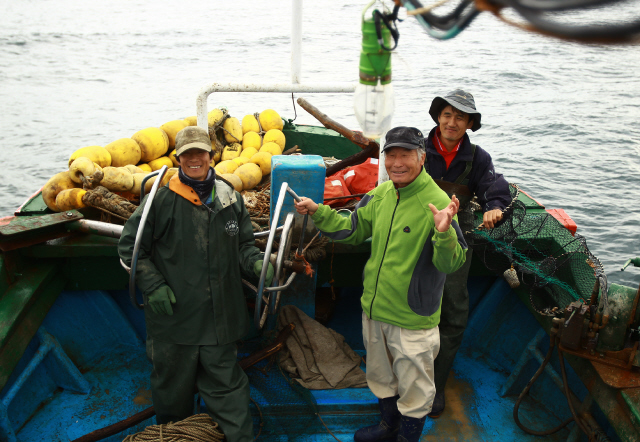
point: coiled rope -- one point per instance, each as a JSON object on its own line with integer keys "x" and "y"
{"x": 198, "y": 428}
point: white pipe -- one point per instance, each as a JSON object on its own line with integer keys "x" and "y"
{"x": 296, "y": 42}
{"x": 320, "y": 88}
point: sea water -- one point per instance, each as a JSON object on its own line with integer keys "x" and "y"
{"x": 560, "y": 119}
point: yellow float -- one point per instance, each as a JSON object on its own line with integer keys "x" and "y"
{"x": 97, "y": 154}
{"x": 153, "y": 142}
{"x": 250, "y": 174}
{"x": 124, "y": 151}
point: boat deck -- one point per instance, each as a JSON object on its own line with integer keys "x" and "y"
{"x": 113, "y": 361}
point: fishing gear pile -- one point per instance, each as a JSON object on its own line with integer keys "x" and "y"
{"x": 555, "y": 266}
{"x": 115, "y": 178}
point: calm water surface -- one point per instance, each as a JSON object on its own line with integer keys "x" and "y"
{"x": 559, "y": 118}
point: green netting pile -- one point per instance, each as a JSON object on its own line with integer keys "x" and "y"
{"x": 554, "y": 265}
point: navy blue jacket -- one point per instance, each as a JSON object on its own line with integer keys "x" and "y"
{"x": 490, "y": 187}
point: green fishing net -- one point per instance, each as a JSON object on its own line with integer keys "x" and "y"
{"x": 555, "y": 266}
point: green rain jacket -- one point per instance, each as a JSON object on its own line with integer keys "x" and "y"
{"x": 201, "y": 255}
{"x": 404, "y": 277}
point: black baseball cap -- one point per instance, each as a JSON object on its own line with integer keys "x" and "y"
{"x": 402, "y": 136}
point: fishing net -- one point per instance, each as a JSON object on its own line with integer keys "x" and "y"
{"x": 555, "y": 266}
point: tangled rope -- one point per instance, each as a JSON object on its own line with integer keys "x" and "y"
{"x": 198, "y": 428}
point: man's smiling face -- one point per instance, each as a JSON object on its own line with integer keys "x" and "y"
{"x": 403, "y": 165}
{"x": 195, "y": 163}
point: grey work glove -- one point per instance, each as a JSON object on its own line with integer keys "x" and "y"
{"x": 160, "y": 300}
{"x": 257, "y": 269}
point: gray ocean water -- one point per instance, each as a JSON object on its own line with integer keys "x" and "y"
{"x": 560, "y": 119}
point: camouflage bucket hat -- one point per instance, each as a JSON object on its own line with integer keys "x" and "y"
{"x": 192, "y": 137}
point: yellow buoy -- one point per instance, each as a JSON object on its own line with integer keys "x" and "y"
{"x": 117, "y": 179}
{"x": 275, "y": 136}
{"x": 81, "y": 167}
{"x": 159, "y": 162}
{"x": 153, "y": 142}
{"x": 168, "y": 175}
{"x": 137, "y": 182}
{"x": 226, "y": 167}
{"x": 272, "y": 148}
{"x": 250, "y": 174}
{"x": 249, "y": 124}
{"x": 269, "y": 119}
{"x": 124, "y": 151}
{"x": 241, "y": 160}
{"x": 172, "y": 128}
{"x": 56, "y": 184}
{"x": 231, "y": 151}
{"x": 234, "y": 179}
{"x": 97, "y": 154}
{"x": 191, "y": 121}
{"x": 214, "y": 116}
{"x": 263, "y": 159}
{"x": 251, "y": 139}
{"x": 70, "y": 199}
{"x": 145, "y": 167}
{"x": 233, "y": 130}
{"x": 249, "y": 152}
{"x": 134, "y": 169}
{"x": 174, "y": 159}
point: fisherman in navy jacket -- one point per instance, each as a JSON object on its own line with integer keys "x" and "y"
{"x": 452, "y": 158}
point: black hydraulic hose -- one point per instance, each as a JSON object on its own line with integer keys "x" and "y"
{"x": 619, "y": 32}
{"x": 526, "y": 390}
{"x": 562, "y": 5}
{"x": 567, "y": 393}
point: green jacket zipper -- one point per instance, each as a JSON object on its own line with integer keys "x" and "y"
{"x": 383, "y": 254}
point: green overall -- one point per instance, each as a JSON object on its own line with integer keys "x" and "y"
{"x": 455, "y": 298}
{"x": 201, "y": 251}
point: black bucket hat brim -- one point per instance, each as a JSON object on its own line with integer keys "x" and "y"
{"x": 439, "y": 102}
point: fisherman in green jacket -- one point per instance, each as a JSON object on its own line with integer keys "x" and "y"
{"x": 197, "y": 245}
{"x": 403, "y": 281}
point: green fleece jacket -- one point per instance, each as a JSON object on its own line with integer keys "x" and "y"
{"x": 404, "y": 277}
{"x": 201, "y": 253}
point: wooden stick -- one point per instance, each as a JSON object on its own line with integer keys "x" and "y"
{"x": 370, "y": 148}
{"x": 327, "y": 122}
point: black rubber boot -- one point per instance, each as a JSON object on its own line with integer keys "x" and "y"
{"x": 438, "y": 405}
{"x": 387, "y": 429}
{"x": 410, "y": 429}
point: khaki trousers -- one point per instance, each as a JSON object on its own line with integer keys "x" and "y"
{"x": 400, "y": 362}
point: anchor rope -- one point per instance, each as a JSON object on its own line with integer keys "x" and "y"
{"x": 197, "y": 428}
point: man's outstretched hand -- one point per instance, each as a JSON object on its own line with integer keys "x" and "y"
{"x": 306, "y": 206}
{"x": 443, "y": 217}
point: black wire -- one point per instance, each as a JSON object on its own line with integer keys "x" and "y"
{"x": 618, "y": 32}
{"x": 533, "y": 11}
{"x": 460, "y": 17}
{"x": 389, "y": 21}
{"x": 563, "y": 5}
{"x": 516, "y": 418}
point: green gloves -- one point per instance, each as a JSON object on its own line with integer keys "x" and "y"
{"x": 257, "y": 269}
{"x": 160, "y": 300}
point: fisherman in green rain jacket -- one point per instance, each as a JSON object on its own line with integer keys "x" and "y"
{"x": 197, "y": 245}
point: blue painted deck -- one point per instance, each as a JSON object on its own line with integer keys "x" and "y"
{"x": 104, "y": 337}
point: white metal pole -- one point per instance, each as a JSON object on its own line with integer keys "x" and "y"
{"x": 296, "y": 41}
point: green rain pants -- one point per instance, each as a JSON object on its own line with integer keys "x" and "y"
{"x": 213, "y": 369}
{"x": 453, "y": 320}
